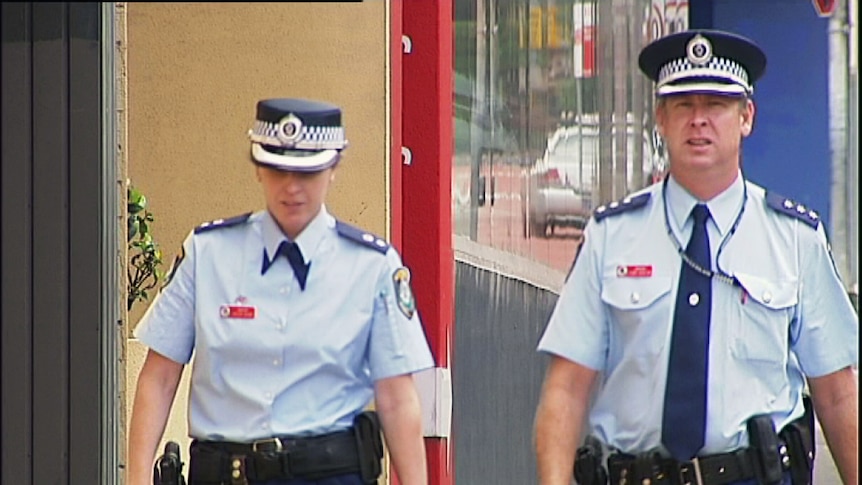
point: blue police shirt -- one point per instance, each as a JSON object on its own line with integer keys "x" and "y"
{"x": 789, "y": 318}
{"x": 270, "y": 359}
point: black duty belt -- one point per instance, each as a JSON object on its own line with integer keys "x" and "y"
{"x": 717, "y": 469}
{"x": 313, "y": 458}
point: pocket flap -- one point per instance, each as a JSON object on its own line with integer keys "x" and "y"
{"x": 780, "y": 293}
{"x": 634, "y": 293}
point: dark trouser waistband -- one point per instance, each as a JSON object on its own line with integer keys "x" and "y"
{"x": 221, "y": 462}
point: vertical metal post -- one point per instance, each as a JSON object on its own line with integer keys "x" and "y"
{"x": 605, "y": 72}
{"x": 111, "y": 228}
{"x": 478, "y": 117}
{"x": 620, "y": 99}
{"x": 838, "y": 137}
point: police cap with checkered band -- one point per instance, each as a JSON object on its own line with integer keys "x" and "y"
{"x": 703, "y": 61}
{"x": 297, "y": 134}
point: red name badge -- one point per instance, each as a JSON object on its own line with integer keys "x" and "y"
{"x": 635, "y": 271}
{"x": 237, "y": 311}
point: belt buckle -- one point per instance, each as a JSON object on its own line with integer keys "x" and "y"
{"x": 269, "y": 441}
{"x": 684, "y": 469}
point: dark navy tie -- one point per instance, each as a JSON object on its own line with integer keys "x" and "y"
{"x": 294, "y": 255}
{"x": 684, "y": 418}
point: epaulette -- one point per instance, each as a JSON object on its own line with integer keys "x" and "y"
{"x": 232, "y": 221}
{"x": 785, "y": 206}
{"x": 620, "y": 206}
{"x": 362, "y": 237}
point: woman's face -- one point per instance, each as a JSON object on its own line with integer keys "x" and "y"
{"x": 294, "y": 198}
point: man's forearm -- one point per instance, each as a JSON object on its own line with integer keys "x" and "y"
{"x": 836, "y": 400}
{"x": 840, "y": 425}
{"x": 558, "y": 425}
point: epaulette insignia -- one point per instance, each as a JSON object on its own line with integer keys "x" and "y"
{"x": 362, "y": 237}
{"x": 785, "y": 206}
{"x": 618, "y": 207}
{"x": 232, "y": 221}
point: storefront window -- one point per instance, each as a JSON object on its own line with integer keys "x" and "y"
{"x": 551, "y": 117}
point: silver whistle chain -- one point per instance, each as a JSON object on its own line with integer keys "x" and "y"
{"x": 720, "y": 275}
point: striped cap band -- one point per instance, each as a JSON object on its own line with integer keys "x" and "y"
{"x": 717, "y": 69}
{"x": 291, "y": 133}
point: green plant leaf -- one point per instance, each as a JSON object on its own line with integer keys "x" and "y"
{"x": 145, "y": 257}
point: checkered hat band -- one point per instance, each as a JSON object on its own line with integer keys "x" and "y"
{"x": 717, "y": 67}
{"x": 310, "y": 137}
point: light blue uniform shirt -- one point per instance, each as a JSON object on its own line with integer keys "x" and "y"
{"x": 306, "y": 362}
{"x": 790, "y": 318}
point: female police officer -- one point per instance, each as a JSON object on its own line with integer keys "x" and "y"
{"x": 704, "y": 346}
{"x": 288, "y": 350}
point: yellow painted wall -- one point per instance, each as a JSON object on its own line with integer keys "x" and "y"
{"x": 193, "y": 73}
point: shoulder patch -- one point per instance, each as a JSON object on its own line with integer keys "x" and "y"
{"x": 232, "y": 221}
{"x": 621, "y": 206}
{"x": 788, "y": 207}
{"x": 361, "y": 236}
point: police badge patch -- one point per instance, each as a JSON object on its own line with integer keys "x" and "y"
{"x": 173, "y": 269}
{"x": 403, "y": 293}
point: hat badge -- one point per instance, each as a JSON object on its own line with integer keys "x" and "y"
{"x": 699, "y": 50}
{"x": 289, "y": 129}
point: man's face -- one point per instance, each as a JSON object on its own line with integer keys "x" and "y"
{"x": 703, "y": 131}
{"x": 294, "y": 198}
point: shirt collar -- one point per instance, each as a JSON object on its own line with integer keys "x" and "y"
{"x": 308, "y": 240}
{"x": 723, "y": 208}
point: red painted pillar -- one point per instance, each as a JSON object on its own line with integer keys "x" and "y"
{"x": 426, "y": 215}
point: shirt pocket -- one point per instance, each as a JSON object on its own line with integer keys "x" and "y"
{"x": 763, "y": 322}
{"x": 638, "y": 309}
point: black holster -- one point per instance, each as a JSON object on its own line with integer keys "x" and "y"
{"x": 588, "y": 467}
{"x": 763, "y": 440}
{"x": 366, "y": 427}
{"x": 799, "y": 438}
{"x": 168, "y": 469}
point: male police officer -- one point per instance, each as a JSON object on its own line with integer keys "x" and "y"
{"x": 296, "y": 320}
{"x": 703, "y": 302}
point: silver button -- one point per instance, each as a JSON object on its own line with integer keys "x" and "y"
{"x": 788, "y": 203}
{"x": 627, "y": 200}
{"x": 367, "y": 237}
{"x": 767, "y": 297}
{"x": 601, "y": 209}
{"x": 801, "y": 209}
{"x": 614, "y": 205}
{"x": 636, "y": 297}
{"x": 693, "y": 299}
{"x": 812, "y": 215}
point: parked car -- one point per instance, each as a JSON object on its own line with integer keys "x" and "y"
{"x": 562, "y": 187}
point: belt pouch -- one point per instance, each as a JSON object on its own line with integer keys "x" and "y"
{"x": 369, "y": 445}
{"x": 208, "y": 466}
